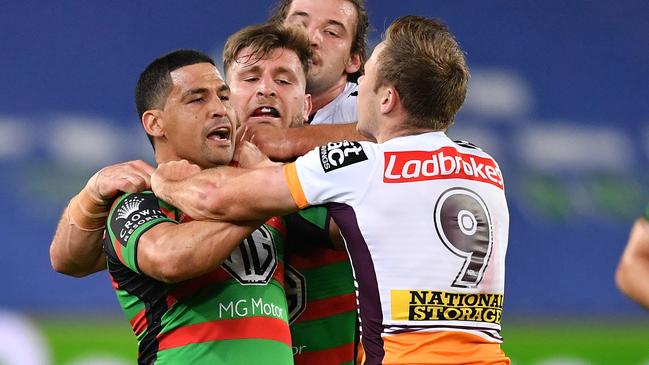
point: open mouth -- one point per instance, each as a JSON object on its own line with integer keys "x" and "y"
{"x": 266, "y": 111}
{"x": 220, "y": 134}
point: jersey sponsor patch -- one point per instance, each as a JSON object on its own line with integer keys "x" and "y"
{"x": 444, "y": 163}
{"x": 134, "y": 212}
{"x": 434, "y": 305}
{"x": 335, "y": 155}
{"x": 295, "y": 292}
{"x": 255, "y": 260}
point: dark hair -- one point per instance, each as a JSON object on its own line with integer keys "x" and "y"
{"x": 359, "y": 41}
{"x": 154, "y": 85}
{"x": 424, "y": 62}
{"x": 264, "y": 38}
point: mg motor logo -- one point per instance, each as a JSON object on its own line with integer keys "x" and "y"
{"x": 255, "y": 260}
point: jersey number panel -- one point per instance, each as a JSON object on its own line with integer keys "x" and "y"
{"x": 255, "y": 260}
{"x": 463, "y": 224}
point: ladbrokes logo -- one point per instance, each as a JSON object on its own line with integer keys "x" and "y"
{"x": 335, "y": 155}
{"x": 430, "y": 305}
{"x": 444, "y": 163}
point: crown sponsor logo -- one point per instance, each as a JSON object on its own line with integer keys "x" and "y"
{"x": 130, "y": 206}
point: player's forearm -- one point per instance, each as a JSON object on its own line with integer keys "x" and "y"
{"x": 76, "y": 247}
{"x": 184, "y": 251}
{"x": 228, "y": 194}
{"x": 303, "y": 140}
{"x": 254, "y": 195}
{"x": 198, "y": 195}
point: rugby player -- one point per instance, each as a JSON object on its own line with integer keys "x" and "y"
{"x": 184, "y": 306}
{"x": 337, "y": 30}
{"x": 289, "y": 49}
{"x": 424, "y": 219}
{"x": 319, "y": 285}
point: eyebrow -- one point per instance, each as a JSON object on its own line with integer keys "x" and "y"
{"x": 256, "y": 69}
{"x": 284, "y": 70}
{"x": 200, "y": 90}
{"x": 306, "y": 15}
{"x": 203, "y": 90}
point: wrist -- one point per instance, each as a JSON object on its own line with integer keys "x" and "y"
{"x": 293, "y": 143}
{"x": 87, "y": 212}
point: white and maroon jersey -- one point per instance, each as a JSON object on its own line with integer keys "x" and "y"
{"x": 341, "y": 110}
{"x": 425, "y": 222}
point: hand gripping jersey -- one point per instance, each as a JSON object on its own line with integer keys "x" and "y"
{"x": 425, "y": 222}
{"x": 234, "y": 315}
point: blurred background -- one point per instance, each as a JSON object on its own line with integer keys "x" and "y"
{"x": 558, "y": 95}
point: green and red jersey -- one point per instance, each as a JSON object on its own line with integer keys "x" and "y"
{"x": 320, "y": 292}
{"x": 236, "y": 314}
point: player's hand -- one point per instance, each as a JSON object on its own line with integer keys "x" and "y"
{"x": 173, "y": 171}
{"x": 271, "y": 140}
{"x": 168, "y": 183}
{"x": 129, "y": 177}
{"x": 248, "y": 156}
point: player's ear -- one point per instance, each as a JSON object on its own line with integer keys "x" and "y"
{"x": 307, "y": 106}
{"x": 353, "y": 64}
{"x": 153, "y": 123}
{"x": 389, "y": 97}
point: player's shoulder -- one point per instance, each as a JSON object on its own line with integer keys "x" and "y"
{"x": 144, "y": 202}
{"x": 471, "y": 148}
{"x": 347, "y": 109}
{"x": 133, "y": 200}
{"x": 351, "y": 90}
{"x": 467, "y": 144}
{"x": 335, "y": 155}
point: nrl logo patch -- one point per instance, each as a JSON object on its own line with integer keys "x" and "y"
{"x": 335, "y": 155}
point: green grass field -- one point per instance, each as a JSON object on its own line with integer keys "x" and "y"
{"x": 589, "y": 342}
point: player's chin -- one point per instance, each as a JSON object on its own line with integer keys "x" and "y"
{"x": 275, "y": 122}
{"x": 221, "y": 155}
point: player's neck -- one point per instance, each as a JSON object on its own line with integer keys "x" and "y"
{"x": 162, "y": 156}
{"x": 395, "y": 128}
{"x": 320, "y": 99}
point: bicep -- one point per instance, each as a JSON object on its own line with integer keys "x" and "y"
{"x": 151, "y": 255}
{"x": 173, "y": 252}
